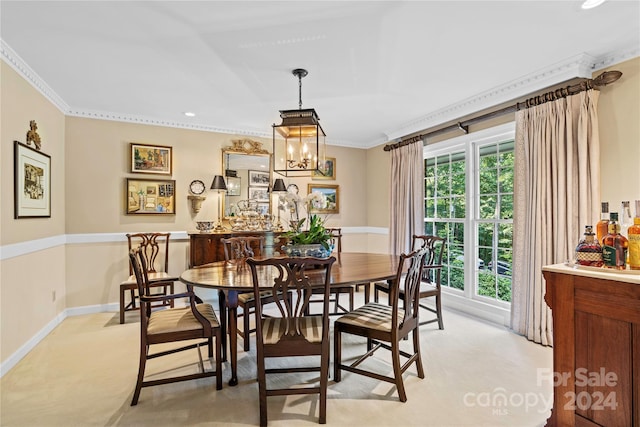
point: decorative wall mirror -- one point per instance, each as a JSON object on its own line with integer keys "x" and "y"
{"x": 247, "y": 168}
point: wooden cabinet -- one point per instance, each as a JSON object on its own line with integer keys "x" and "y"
{"x": 596, "y": 346}
{"x": 207, "y": 247}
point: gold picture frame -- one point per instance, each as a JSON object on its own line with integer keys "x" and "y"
{"x": 150, "y": 196}
{"x": 327, "y": 171}
{"x": 152, "y": 159}
{"x": 331, "y": 192}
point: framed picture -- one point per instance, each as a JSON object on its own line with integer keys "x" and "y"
{"x": 332, "y": 194}
{"x": 32, "y": 183}
{"x": 155, "y": 159}
{"x": 233, "y": 185}
{"x": 258, "y": 179}
{"x": 327, "y": 170}
{"x": 260, "y": 194}
{"x": 150, "y": 196}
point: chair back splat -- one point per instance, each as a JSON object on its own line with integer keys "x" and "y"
{"x": 384, "y": 326}
{"x": 155, "y": 251}
{"x": 430, "y": 281}
{"x": 287, "y": 331}
{"x": 236, "y": 252}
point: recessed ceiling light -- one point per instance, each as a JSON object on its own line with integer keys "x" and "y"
{"x": 189, "y": 114}
{"x": 590, "y": 4}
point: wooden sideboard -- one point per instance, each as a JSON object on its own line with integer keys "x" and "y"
{"x": 207, "y": 247}
{"x": 596, "y": 346}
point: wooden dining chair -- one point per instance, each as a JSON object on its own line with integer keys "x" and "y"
{"x": 193, "y": 322}
{"x": 155, "y": 249}
{"x": 236, "y": 252}
{"x": 430, "y": 283}
{"x": 335, "y": 292}
{"x": 384, "y": 326}
{"x": 289, "y": 333}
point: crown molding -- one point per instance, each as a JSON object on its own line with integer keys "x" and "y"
{"x": 580, "y": 66}
{"x": 147, "y": 120}
{"x": 20, "y": 66}
{"x": 625, "y": 54}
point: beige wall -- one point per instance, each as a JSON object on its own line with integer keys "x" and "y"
{"x": 619, "y": 119}
{"x": 89, "y": 167}
{"x": 27, "y": 283}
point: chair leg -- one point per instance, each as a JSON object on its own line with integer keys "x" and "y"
{"x": 375, "y": 294}
{"x": 141, "y": 366}
{"x": 416, "y": 350}
{"x": 324, "y": 374}
{"x": 245, "y": 325}
{"x": 262, "y": 390}
{"x": 122, "y": 292}
{"x": 439, "y": 312}
{"x": 397, "y": 370}
{"x": 351, "y": 298}
{"x": 218, "y": 361}
{"x": 171, "y": 290}
{"x": 337, "y": 355}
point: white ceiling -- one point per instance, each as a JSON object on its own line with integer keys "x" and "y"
{"x": 378, "y": 70}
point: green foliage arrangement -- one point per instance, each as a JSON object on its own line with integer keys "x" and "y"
{"x": 315, "y": 234}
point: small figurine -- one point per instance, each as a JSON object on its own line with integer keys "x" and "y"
{"x": 32, "y": 135}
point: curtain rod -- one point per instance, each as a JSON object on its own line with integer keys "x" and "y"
{"x": 602, "y": 80}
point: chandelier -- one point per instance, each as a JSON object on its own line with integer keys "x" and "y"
{"x": 299, "y": 141}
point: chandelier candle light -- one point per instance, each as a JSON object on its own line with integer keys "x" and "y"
{"x": 302, "y": 151}
{"x": 220, "y": 186}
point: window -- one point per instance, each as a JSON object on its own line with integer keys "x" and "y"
{"x": 469, "y": 202}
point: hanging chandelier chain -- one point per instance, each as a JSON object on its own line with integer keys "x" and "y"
{"x": 300, "y": 72}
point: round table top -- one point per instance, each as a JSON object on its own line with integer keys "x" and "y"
{"x": 354, "y": 268}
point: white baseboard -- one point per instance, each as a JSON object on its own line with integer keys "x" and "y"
{"x": 29, "y": 345}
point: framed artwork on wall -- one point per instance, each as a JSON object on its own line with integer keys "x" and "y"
{"x": 150, "y": 196}
{"x": 327, "y": 169}
{"x": 260, "y": 194}
{"x": 153, "y": 159}
{"x": 331, "y": 193}
{"x": 32, "y": 182}
{"x": 258, "y": 179}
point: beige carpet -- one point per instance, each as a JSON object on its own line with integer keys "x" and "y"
{"x": 83, "y": 374}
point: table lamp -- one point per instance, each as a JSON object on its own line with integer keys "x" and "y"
{"x": 278, "y": 187}
{"x": 220, "y": 186}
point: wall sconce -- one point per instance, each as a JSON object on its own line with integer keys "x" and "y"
{"x": 196, "y": 196}
{"x": 220, "y": 186}
{"x": 303, "y": 147}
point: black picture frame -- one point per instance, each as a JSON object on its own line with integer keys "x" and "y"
{"x": 32, "y": 182}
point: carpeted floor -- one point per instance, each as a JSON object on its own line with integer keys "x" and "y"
{"x": 83, "y": 374}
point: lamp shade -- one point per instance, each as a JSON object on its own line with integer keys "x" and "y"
{"x": 278, "y": 186}
{"x": 218, "y": 183}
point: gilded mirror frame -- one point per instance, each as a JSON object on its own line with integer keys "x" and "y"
{"x": 245, "y": 147}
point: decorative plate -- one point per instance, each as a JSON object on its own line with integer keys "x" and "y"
{"x": 197, "y": 187}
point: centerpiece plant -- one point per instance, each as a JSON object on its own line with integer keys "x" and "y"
{"x": 316, "y": 233}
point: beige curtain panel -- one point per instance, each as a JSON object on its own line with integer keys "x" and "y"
{"x": 407, "y": 196}
{"x": 557, "y": 192}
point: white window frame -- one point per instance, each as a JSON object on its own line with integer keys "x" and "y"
{"x": 467, "y": 300}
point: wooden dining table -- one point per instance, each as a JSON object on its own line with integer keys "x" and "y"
{"x": 353, "y": 268}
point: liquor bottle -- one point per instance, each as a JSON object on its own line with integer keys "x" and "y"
{"x": 634, "y": 240}
{"x": 614, "y": 245}
{"x": 589, "y": 251}
{"x": 602, "y": 227}
{"x": 626, "y": 220}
